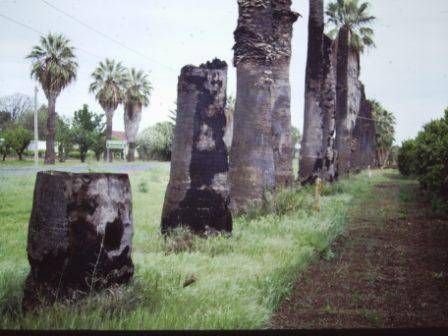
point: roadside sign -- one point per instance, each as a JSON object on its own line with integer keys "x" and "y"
{"x": 116, "y": 144}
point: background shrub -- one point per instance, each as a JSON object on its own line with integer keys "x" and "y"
{"x": 427, "y": 157}
{"x": 406, "y": 155}
{"x": 154, "y": 143}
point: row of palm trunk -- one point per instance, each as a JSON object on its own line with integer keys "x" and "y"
{"x": 261, "y": 153}
{"x": 339, "y": 132}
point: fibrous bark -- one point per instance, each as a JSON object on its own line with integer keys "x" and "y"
{"x": 50, "y": 155}
{"x": 252, "y": 169}
{"x": 348, "y": 100}
{"x": 283, "y": 20}
{"x": 311, "y": 151}
{"x": 80, "y": 235}
{"x": 132, "y": 118}
{"x": 197, "y": 195}
{"x": 364, "y": 153}
{"x": 108, "y": 155}
{"x": 328, "y": 103}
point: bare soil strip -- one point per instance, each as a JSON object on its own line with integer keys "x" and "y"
{"x": 390, "y": 269}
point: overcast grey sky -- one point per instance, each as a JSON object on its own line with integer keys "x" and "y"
{"x": 407, "y": 72}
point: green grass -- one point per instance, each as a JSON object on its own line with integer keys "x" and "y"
{"x": 29, "y": 162}
{"x": 240, "y": 280}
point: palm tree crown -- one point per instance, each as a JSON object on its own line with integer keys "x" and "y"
{"x": 109, "y": 82}
{"x": 138, "y": 87}
{"x": 385, "y": 125}
{"x": 54, "y": 63}
{"x": 355, "y": 17}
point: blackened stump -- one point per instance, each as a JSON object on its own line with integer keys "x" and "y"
{"x": 197, "y": 196}
{"x": 80, "y": 235}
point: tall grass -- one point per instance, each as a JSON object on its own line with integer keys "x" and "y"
{"x": 239, "y": 280}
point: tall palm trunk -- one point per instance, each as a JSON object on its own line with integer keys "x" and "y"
{"x": 50, "y": 155}
{"x": 283, "y": 19}
{"x": 328, "y": 101}
{"x": 343, "y": 139}
{"x": 108, "y": 155}
{"x": 364, "y": 136}
{"x": 311, "y": 156}
{"x": 252, "y": 170}
{"x": 132, "y": 117}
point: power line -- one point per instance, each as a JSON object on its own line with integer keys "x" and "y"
{"x": 41, "y": 33}
{"x": 372, "y": 119}
{"x": 105, "y": 35}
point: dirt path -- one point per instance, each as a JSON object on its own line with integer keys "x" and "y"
{"x": 390, "y": 269}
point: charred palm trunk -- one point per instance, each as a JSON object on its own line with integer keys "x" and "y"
{"x": 348, "y": 101}
{"x": 197, "y": 195}
{"x": 132, "y": 117}
{"x": 311, "y": 156}
{"x": 328, "y": 102}
{"x": 252, "y": 169}
{"x": 283, "y": 20}
{"x": 343, "y": 138}
{"x": 364, "y": 136}
{"x": 79, "y": 236}
{"x": 50, "y": 155}
{"x": 108, "y": 155}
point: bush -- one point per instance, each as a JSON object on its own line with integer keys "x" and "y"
{"x": 75, "y": 154}
{"x": 154, "y": 143}
{"x": 427, "y": 157}
{"x": 405, "y": 159}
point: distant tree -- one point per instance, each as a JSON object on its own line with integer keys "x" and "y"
{"x": 54, "y": 66}
{"x": 98, "y": 143}
{"x": 26, "y": 120}
{"x": 385, "y": 131}
{"x": 21, "y": 138}
{"x": 229, "y": 112}
{"x": 109, "y": 85}
{"x": 172, "y": 114}
{"x": 353, "y": 16}
{"x": 154, "y": 143}
{"x": 296, "y": 138}
{"x": 63, "y": 137}
{"x": 406, "y": 157}
{"x": 6, "y": 142}
{"x": 137, "y": 96}
{"x": 16, "y": 105}
{"x": 85, "y": 127}
{"x": 5, "y": 120}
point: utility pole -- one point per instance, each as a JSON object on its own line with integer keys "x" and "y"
{"x": 36, "y": 131}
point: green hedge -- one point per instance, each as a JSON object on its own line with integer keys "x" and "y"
{"x": 154, "y": 143}
{"x": 427, "y": 158}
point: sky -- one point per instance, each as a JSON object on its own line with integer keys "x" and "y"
{"x": 407, "y": 71}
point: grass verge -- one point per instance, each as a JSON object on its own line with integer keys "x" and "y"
{"x": 238, "y": 281}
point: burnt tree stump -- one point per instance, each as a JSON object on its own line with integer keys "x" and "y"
{"x": 197, "y": 195}
{"x": 79, "y": 236}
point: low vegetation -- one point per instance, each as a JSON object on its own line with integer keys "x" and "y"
{"x": 184, "y": 282}
{"x": 427, "y": 158}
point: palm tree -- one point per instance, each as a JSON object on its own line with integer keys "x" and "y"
{"x": 54, "y": 67}
{"x": 311, "y": 152}
{"x": 137, "y": 95}
{"x": 109, "y": 82}
{"x": 385, "y": 131}
{"x": 353, "y": 16}
{"x": 350, "y": 20}
{"x": 252, "y": 167}
{"x": 282, "y": 22}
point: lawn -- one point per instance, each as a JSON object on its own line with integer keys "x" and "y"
{"x": 240, "y": 280}
{"x": 29, "y": 162}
